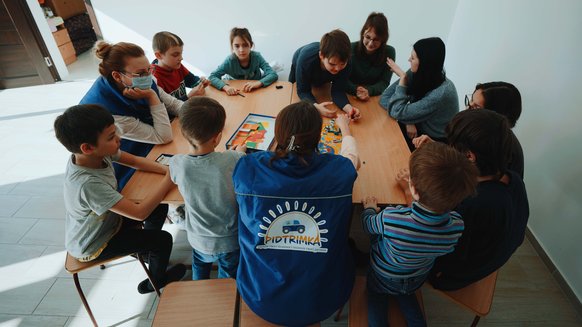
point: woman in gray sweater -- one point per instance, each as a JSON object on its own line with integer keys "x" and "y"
{"x": 423, "y": 100}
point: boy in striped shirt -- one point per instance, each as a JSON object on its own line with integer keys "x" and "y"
{"x": 405, "y": 241}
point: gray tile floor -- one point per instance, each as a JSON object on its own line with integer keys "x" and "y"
{"x": 36, "y": 291}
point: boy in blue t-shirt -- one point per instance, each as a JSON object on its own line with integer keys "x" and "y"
{"x": 407, "y": 240}
{"x": 100, "y": 222}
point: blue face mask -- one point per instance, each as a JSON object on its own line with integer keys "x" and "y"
{"x": 142, "y": 82}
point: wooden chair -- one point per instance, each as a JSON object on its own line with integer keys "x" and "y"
{"x": 476, "y": 297}
{"x": 358, "y": 314}
{"x": 74, "y": 266}
{"x": 210, "y": 302}
{"x": 247, "y": 318}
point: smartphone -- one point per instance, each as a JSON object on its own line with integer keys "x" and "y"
{"x": 164, "y": 159}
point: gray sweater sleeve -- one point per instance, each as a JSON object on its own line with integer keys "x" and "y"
{"x": 401, "y": 109}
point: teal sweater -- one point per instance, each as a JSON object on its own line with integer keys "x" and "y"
{"x": 375, "y": 77}
{"x": 232, "y": 67}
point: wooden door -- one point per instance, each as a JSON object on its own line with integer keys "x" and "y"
{"x": 24, "y": 59}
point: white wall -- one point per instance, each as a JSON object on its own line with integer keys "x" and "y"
{"x": 278, "y": 28}
{"x": 535, "y": 45}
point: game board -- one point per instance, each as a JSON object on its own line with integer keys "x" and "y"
{"x": 331, "y": 138}
{"x": 256, "y": 131}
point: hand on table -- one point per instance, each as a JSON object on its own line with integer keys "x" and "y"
{"x": 371, "y": 202}
{"x": 352, "y": 112}
{"x": 230, "y": 90}
{"x": 324, "y": 110}
{"x": 362, "y": 93}
{"x": 249, "y": 86}
{"x": 197, "y": 90}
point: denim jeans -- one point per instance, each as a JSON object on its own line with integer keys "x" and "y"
{"x": 202, "y": 264}
{"x": 402, "y": 290}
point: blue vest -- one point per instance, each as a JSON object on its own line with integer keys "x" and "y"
{"x": 295, "y": 267}
{"x": 107, "y": 95}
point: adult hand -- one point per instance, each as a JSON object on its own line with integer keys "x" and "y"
{"x": 411, "y": 131}
{"x": 395, "y": 68}
{"x": 371, "y": 202}
{"x": 249, "y": 86}
{"x": 324, "y": 111}
{"x": 362, "y": 93}
{"x": 419, "y": 141}
{"x": 230, "y": 90}
{"x": 135, "y": 93}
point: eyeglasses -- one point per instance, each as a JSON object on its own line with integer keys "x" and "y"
{"x": 142, "y": 74}
{"x": 373, "y": 41}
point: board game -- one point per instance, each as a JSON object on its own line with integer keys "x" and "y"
{"x": 331, "y": 138}
{"x": 256, "y": 131}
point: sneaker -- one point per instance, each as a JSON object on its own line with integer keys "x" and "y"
{"x": 175, "y": 273}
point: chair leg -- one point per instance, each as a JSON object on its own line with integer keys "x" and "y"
{"x": 475, "y": 321}
{"x": 338, "y": 315}
{"x": 83, "y": 299}
{"x": 147, "y": 271}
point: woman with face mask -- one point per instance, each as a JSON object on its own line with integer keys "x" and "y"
{"x": 141, "y": 109}
{"x": 423, "y": 100}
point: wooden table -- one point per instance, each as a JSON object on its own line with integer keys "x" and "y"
{"x": 210, "y": 302}
{"x": 383, "y": 151}
{"x": 265, "y": 101}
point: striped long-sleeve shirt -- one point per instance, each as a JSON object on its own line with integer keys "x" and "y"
{"x": 409, "y": 239}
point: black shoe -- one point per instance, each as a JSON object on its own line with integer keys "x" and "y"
{"x": 175, "y": 273}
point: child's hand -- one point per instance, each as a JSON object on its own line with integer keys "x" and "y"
{"x": 324, "y": 111}
{"x": 241, "y": 148}
{"x": 343, "y": 122}
{"x": 230, "y": 90}
{"x": 423, "y": 139}
{"x": 411, "y": 131}
{"x": 353, "y": 112}
{"x": 249, "y": 86}
{"x": 197, "y": 90}
{"x": 402, "y": 178}
{"x": 362, "y": 93}
{"x": 204, "y": 82}
{"x": 371, "y": 202}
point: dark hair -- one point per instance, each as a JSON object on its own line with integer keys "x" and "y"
{"x": 486, "y": 134}
{"x": 336, "y": 44}
{"x": 163, "y": 41}
{"x": 301, "y": 121}
{"x": 503, "y": 98}
{"x": 242, "y": 33}
{"x": 430, "y": 73}
{"x": 113, "y": 56}
{"x": 442, "y": 176}
{"x": 201, "y": 118}
{"x": 82, "y": 124}
{"x": 379, "y": 23}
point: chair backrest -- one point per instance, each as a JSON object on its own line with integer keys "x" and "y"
{"x": 476, "y": 297}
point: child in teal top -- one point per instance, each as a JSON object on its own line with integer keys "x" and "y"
{"x": 244, "y": 64}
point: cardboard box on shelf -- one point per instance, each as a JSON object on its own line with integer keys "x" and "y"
{"x": 61, "y": 36}
{"x": 67, "y": 8}
{"x": 68, "y": 52}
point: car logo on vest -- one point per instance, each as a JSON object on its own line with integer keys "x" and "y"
{"x": 296, "y": 229}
